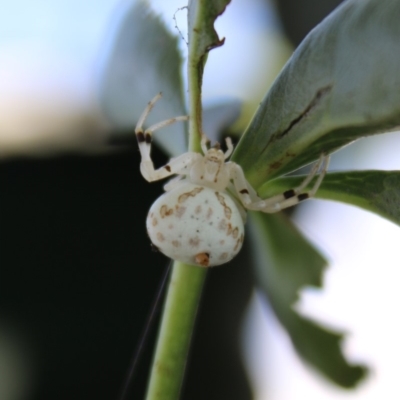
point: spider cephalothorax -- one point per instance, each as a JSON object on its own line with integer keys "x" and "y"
{"x": 196, "y": 220}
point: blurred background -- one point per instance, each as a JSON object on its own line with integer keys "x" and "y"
{"x": 77, "y": 273}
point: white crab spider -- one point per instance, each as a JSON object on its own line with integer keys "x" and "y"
{"x": 197, "y": 221}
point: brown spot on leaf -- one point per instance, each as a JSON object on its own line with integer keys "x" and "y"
{"x": 275, "y": 165}
{"x": 321, "y": 93}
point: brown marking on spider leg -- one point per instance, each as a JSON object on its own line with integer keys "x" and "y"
{"x": 202, "y": 259}
{"x": 147, "y": 137}
{"x": 140, "y": 137}
{"x": 303, "y": 196}
{"x": 244, "y": 191}
{"x": 183, "y": 197}
{"x": 289, "y": 193}
{"x": 167, "y": 167}
{"x": 227, "y": 210}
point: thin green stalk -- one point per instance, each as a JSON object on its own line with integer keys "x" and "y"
{"x": 186, "y": 283}
{"x": 176, "y": 330}
{"x": 195, "y": 121}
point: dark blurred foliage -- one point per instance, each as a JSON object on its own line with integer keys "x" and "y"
{"x": 79, "y": 278}
{"x": 300, "y": 16}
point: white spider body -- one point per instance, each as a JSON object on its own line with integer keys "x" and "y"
{"x": 196, "y": 225}
{"x": 196, "y": 221}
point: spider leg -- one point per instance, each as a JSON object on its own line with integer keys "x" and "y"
{"x": 204, "y": 143}
{"x": 229, "y": 146}
{"x": 294, "y": 196}
{"x": 144, "y": 138}
{"x": 179, "y": 165}
{"x": 289, "y": 198}
{"x": 243, "y": 189}
{"x": 173, "y": 183}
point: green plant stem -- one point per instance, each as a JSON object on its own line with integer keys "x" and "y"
{"x": 195, "y": 122}
{"x": 195, "y": 80}
{"x": 186, "y": 283}
{"x": 178, "y": 319}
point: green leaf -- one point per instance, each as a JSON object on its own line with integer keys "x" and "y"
{"x": 285, "y": 263}
{"x": 376, "y": 191}
{"x": 143, "y": 60}
{"x": 342, "y": 83}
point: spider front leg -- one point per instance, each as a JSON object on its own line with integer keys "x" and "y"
{"x": 288, "y": 198}
{"x": 144, "y": 137}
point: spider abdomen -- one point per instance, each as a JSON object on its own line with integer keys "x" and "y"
{"x": 196, "y": 225}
